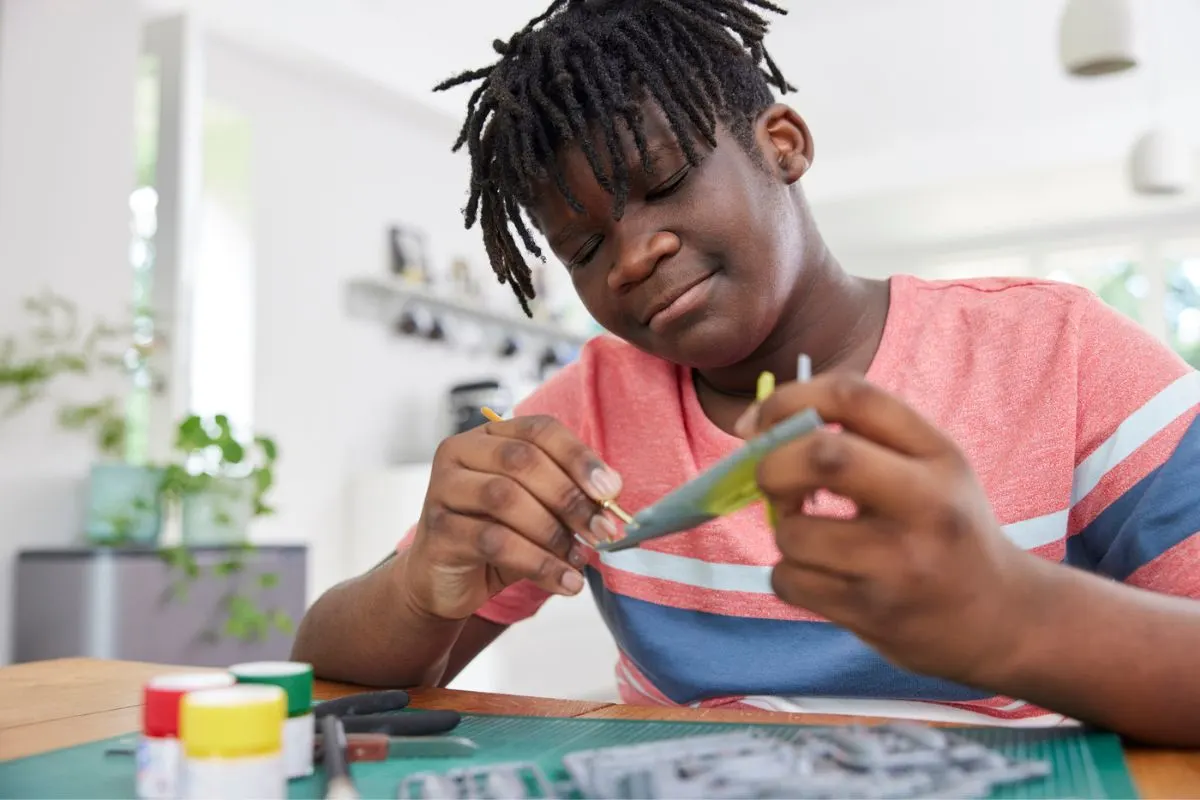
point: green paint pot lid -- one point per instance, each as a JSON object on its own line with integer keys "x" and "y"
{"x": 294, "y": 677}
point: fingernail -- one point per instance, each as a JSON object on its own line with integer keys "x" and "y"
{"x": 744, "y": 427}
{"x": 572, "y": 581}
{"x": 577, "y": 557}
{"x": 603, "y": 528}
{"x": 605, "y": 483}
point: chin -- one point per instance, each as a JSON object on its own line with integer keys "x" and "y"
{"x": 709, "y": 343}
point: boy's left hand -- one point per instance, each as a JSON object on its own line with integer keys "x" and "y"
{"x": 923, "y": 573}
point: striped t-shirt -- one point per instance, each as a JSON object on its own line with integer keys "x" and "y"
{"x": 1080, "y": 425}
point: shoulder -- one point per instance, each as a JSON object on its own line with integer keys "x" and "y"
{"x": 1036, "y": 299}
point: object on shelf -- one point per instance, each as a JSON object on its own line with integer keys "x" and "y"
{"x": 510, "y": 347}
{"x": 389, "y": 300}
{"x": 467, "y": 399}
{"x": 461, "y": 278}
{"x": 408, "y": 257}
{"x": 554, "y": 358}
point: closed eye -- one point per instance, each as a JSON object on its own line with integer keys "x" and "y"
{"x": 668, "y": 187}
{"x": 585, "y": 253}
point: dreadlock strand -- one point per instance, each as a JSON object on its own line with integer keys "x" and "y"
{"x": 708, "y": 75}
{"x": 514, "y": 213}
{"x": 660, "y": 86}
{"x": 471, "y": 107}
{"x": 464, "y": 77}
{"x": 625, "y": 102}
{"x": 499, "y": 246}
{"x": 564, "y": 84}
{"x": 556, "y": 173}
{"x": 701, "y": 109}
{"x": 606, "y": 121}
{"x": 545, "y": 155}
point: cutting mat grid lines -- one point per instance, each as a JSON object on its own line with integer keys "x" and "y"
{"x": 1085, "y": 764}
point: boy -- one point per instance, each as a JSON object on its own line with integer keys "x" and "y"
{"x": 998, "y": 526}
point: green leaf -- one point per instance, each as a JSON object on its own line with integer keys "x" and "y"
{"x": 282, "y": 622}
{"x": 270, "y": 450}
{"x": 232, "y": 451}
{"x": 268, "y": 580}
{"x": 228, "y": 567}
{"x": 263, "y": 478}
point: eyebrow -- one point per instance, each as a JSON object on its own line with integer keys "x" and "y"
{"x": 656, "y": 150}
{"x": 564, "y": 233}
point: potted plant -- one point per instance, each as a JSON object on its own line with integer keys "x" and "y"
{"x": 221, "y": 483}
{"x": 124, "y": 503}
{"x": 220, "y": 486}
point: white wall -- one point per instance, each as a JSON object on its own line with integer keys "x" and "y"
{"x": 66, "y": 167}
{"x": 335, "y": 162}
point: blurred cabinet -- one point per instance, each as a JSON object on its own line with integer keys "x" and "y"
{"x": 122, "y": 603}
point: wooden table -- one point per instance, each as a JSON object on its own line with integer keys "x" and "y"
{"x": 51, "y": 704}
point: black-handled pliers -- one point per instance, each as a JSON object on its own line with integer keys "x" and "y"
{"x": 369, "y": 712}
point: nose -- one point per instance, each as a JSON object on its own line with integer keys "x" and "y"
{"x": 638, "y": 257}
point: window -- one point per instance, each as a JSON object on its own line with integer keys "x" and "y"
{"x": 1114, "y": 274}
{"x": 143, "y": 210}
{"x": 1181, "y": 300}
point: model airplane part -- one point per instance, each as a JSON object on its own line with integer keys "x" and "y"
{"x": 728, "y": 486}
{"x": 509, "y": 781}
{"x": 903, "y": 760}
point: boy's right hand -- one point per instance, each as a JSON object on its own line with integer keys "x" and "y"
{"x": 505, "y": 501}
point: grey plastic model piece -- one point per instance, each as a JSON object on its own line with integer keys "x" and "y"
{"x": 510, "y": 781}
{"x": 886, "y": 762}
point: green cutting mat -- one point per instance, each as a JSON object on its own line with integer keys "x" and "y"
{"x": 1086, "y": 764}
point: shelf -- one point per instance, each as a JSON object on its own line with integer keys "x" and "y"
{"x": 390, "y": 298}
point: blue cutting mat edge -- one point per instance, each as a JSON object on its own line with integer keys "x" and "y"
{"x": 1104, "y": 752}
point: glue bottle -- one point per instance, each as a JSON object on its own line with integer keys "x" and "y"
{"x": 296, "y": 680}
{"x": 233, "y": 743}
{"x": 159, "y": 759}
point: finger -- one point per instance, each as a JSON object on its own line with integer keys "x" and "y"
{"x": 857, "y": 405}
{"x": 845, "y": 548}
{"x": 511, "y": 553}
{"x": 877, "y": 479}
{"x": 829, "y": 595}
{"x": 545, "y": 479}
{"x": 504, "y": 500}
{"x": 576, "y": 459}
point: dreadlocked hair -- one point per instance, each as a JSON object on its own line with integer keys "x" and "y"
{"x": 584, "y": 66}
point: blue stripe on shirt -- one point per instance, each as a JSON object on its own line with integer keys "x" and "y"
{"x": 1157, "y": 513}
{"x": 692, "y": 655}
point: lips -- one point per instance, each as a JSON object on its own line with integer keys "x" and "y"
{"x": 666, "y": 298}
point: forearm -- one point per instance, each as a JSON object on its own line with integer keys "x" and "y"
{"x": 1109, "y": 655}
{"x": 364, "y": 631}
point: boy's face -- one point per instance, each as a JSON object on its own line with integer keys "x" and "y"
{"x": 699, "y": 267}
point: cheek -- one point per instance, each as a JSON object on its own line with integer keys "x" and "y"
{"x": 597, "y": 297}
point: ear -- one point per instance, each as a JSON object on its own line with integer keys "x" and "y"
{"x": 785, "y": 141}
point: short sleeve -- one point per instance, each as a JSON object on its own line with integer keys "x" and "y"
{"x": 1135, "y": 513}
{"x": 565, "y": 397}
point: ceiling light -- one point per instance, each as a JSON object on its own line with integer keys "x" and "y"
{"x": 1097, "y": 37}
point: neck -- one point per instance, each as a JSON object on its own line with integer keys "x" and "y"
{"x": 834, "y": 318}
